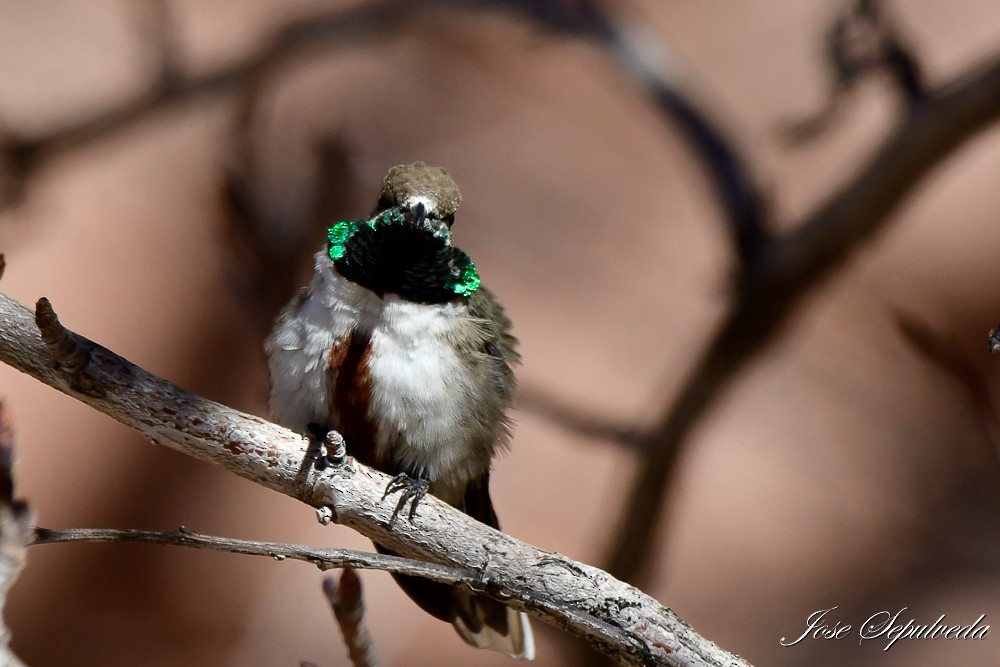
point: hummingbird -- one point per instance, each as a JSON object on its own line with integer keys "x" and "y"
{"x": 397, "y": 346}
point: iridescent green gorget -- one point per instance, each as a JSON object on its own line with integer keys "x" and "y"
{"x": 467, "y": 278}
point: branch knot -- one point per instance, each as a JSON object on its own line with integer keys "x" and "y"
{"x": 71, "y": 353}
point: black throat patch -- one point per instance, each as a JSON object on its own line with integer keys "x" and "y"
{"x": 403, "y": 260}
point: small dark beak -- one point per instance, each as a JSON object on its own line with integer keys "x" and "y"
{"x": 419, "y": 213}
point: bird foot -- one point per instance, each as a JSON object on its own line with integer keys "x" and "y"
{"x": 413, "y": 490}
{"x": 314, "y": 436}
{"x": 326, "y": 446}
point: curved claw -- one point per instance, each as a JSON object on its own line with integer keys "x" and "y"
{"x": 413, "y": 490}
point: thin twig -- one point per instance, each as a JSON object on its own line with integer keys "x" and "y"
{"x": 324, "y": 559}
{"x": 615, "y": 618}
{"x": 348, "y": 605}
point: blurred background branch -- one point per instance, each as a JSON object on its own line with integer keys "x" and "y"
{"x": 773, "y": 286}
{"x": 860, "y": 42}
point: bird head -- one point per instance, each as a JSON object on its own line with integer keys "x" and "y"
{"x": 405, "y": 246}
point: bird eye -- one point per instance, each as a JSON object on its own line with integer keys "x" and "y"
{"x": 384, "y": 202}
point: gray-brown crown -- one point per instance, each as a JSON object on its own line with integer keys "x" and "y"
{"x": 406, "y": 185}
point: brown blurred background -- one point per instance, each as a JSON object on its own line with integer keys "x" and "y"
{"x": 845, "y": 467}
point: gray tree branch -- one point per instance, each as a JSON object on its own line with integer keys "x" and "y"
{"x": 615, "y": 618}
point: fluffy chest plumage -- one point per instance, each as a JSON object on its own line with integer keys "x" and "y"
{"x": 402, "y": 379}
{"x": 421, "y": 388}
